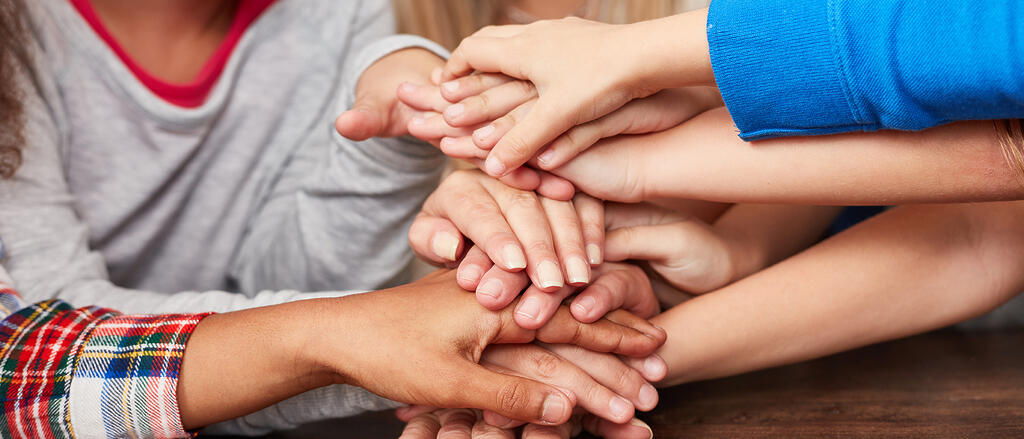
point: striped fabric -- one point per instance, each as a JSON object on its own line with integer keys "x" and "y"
{"x": 89, "y": 372}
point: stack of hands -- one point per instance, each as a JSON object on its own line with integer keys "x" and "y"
{"x": 544, "y": 256}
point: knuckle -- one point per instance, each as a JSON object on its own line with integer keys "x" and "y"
{"x": 545, "y": 364}
{"x": 628, "y": 378}
{"x": 516, "y": 146}
{"x": 480, "y": 102}
{"x": 523, "y": 200}
{"x": 512, "y": 397}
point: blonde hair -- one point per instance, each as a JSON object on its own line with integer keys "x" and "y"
{"x": 1010, "y": 133}
{"x": 449, "y": 21}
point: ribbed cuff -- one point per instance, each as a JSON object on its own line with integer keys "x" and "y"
{"x": 126, "y": 377}
{"x": 776, "y": 67}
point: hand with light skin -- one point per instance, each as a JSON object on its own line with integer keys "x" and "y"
{"x": 696, "y": 257}
{"x": 703, "y": 159}
{"x": 438, "y": 331}
{"x": 485, "y": 106}
{"x": 593, "y": 70}
{"x": 553, "y": 241}
{"x": 429, "y": 125}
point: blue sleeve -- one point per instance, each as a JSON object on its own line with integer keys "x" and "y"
{"x": 805, "y": 67}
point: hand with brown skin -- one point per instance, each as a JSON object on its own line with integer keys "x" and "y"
{"x": 419, "y": 343}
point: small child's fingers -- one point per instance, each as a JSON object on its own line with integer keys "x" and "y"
{"x": 620, "y": 215}
{"x": 472, "y": 268}
{"x": 458, "y": 89}
{"x": 498, "y": 288}
{"x": 461, "y": 148}
{"x": 551, "y": 185}
{"x": 475, "y": 53}
{"x": 536, "y": 307}
{"x": 435, "y": 239}
{"x": 431, "y": 126}
{"x": 551, "y": 115}
{"x": 489, "y": 105}
{"x": 422, "y": 97}
{"x": 568, "y": 235}
{"x": 652, "y": 368}
{"x": 591, "y": 213}
{"x": 488, "y": 135}
{"x": 457, "y": 423}
{"x": 634, "y": 429}
{"x": 616, "y": 286}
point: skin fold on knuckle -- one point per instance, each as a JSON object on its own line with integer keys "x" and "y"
{"x": 513, "y": 400}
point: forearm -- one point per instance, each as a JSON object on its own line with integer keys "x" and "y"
{"x": 905, "y": 271}
{"x": 671, "y": 51}
{"x": 239, "y": 362}
{"x": 760, "y": 235}
{"x": 703, "y": 159}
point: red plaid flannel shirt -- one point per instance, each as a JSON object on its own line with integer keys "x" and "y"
{"x": 89, "y": 372}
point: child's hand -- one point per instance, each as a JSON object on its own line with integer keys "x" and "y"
{"x": 455, "y": 138}
{"x": 594, "y": 69}
{"x": 696, "y": 257}
{"x": 516, "y": 229}
{"x": 688, "y": 253}
{"x": 377, "y": 112}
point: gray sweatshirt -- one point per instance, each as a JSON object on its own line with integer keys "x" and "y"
{"x": 126, "y": 201}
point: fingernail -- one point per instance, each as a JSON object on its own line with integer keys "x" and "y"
{"x": 445, "y": 245}
{"x": 491, "y": 288}
{"x": 529, "y": 308}
{"x": 470, "y": 273}
{"x": 549, "y": 275}
{"x": 585, "y": 305}
{"x": 513, "y": 256}
{"x": 553, "y": 409}
{"x": 482, "y": 132}
{"x": 447, "y": 142}
{"x": 546, "y": 157}
{"x": 450, "y": 86}
{"x": 494, "y": 166}
{"x": 454, "y": 110}
{"x": 579, "y": 271}
{"x": 638, "y": 423}
{"x": 648, "y": 396}
{"x": 594, "y": 254}
{"x": 620, "y": 408}
{"x": 654, "y": 365}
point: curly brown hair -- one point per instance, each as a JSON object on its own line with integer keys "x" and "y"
{"x": 14, "y": 58}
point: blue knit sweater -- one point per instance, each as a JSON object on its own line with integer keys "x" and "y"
{"x": 802, "y": 67}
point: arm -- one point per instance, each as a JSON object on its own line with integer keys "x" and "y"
{"x": 819, "y": 67}
{"x": 173, "y": 372}
{"x": 906, "y": 271}
{"x": 703, "y": 159}
{"x": 697, "y": 257}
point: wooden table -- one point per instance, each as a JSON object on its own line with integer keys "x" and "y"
{"x": 944, "y": 384}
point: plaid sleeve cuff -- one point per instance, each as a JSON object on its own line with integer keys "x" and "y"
{"x": 89, "y": 372}
{"x": 125, "y": 383}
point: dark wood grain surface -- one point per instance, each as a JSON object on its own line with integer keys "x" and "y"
{"x": 944, "y": 384}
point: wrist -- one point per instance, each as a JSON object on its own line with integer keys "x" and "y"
{"x": 670, "y": 52}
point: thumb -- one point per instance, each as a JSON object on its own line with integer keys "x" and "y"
{"x": 368, "y": 117}
{"x": 513, "y": 397}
